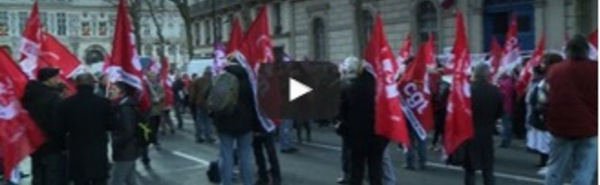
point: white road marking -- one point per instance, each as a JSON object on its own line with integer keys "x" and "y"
{"x": 191, "y": 158}
{"x": 444, "y": 166}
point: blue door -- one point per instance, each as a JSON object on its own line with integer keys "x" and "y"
{"x": 497, "y": 17}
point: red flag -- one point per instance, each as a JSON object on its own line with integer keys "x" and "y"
{"x": 511, "y": 53}
{"x": 124, "y": 61}
{"x": 19, "y": 135}
{"x": 389, "y": 119}
{"x": 527, "y": 72}
{"x": 429, "y": 52}
{"x": 593, "y": 39}
{"x": 257, "y": 48}
{"x": 403, "y": 55}
{"x": 495, "y": 56}
{"x": 416, "y": 95}
{"x": 235, "y": 37}
{"x": 57, "y": 55}
{"x": 30, "y": 42}
{"x": 164, "y": 79}
{"x": 459, "y": 123}
{"x": 12, "y": 69}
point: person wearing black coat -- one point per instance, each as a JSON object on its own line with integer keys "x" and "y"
{"x": 126, "y": 143}
{"x": 41, "y": 100}
{"x": 486, "y": 104}
{"x": 357, "y": 116}
{"x": 236, "y": 127}
{"x": 180, "y": 102}
{"x": 87, "y": 119}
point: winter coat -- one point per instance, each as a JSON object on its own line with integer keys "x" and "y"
{"x": 157, "y": 96}
{"x": 87, "y": 119}
{"x": 41, "y": 102}
{"x": 487, "y": 107}
{"x": 507, "y": 87}
{"x": 357, "y": 110}
{"x": 243, "y": 116}
{"x": 124, "y": 137}
{"x": 178, "y": 90}
{"x": 199, "y": 91}
{"x": 573, "y": 99}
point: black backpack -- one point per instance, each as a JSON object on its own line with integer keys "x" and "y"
{"x": 213, "y": 172}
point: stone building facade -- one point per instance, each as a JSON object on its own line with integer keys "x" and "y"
{"x": 325, "y": 29}
{"x": 86, "y": 27}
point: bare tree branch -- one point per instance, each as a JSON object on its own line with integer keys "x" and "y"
{"x": 161, "y": 38}
{"x": 185, "y": 13}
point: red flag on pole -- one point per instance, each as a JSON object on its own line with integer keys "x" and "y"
{"x": 12, "y": 69}
{"x": 389, "y": 119}
{"x": 527, "y": 73}
{"x": 257, "y": 48}
{"x": 19, "y": 134}
{"x": 429, "y": 52}
{"x": 495, "y": 56}
{"x": 57, "y": 55}
{"x": 30, "y": 43}
{"x": 416, "y": 95}
{"x": 403, "y": 55}
{"x": 593, "y": 39}
{"x": 124, "y": 62}
{"x": 459, "y": 122}
{"x": 166, "y": 82}
{"x": 235, "y": 37}
{"x": 511, "y": 53}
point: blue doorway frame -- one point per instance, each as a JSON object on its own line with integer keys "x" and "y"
{"x": 497, "y": 17}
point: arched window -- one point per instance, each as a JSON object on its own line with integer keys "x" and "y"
{"x": 368, "y": 24}
{"x": 319, "y": 38}
{"x": 426, "y": 20}
{"x": 148, "y": 50}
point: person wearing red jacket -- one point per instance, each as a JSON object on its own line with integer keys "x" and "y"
{"x": 572, "y": 115}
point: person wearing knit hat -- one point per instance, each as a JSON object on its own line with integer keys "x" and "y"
{"x": 40, "y": 99}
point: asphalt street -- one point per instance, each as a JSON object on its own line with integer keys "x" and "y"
{"x": 184, "y": 162}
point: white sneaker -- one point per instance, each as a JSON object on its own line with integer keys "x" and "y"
{"x": 543, "y": 171}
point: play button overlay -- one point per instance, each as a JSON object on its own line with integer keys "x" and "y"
{"x": 297, "y": 89}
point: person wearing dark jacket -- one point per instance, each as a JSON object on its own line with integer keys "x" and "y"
{"x": 487, "y": 106}
{"x": 236, "y": 127}
{"x": 87, "y": 119}
{"x": 41, "y": 100}
{"x": 179, "y": 104}
{"x": 572, "y": 115}
{"x": 125, "y": 145}
{"x": 357, "y": 116}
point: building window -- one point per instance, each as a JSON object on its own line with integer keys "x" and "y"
{"x": 319, "y": 38}
{"x": 426, "y": 20}
{"x": 197, "y": 34}
{"x": 148, "y": 50}
{"x": 85, "y": 28}
{"x": 22, "y": 21}
{"x": 219, "y": 29}
{"x": 44, "y": 19}
{"x": 146, "y": 29}
{"x": 73, "y": 24}
{"x": 207, "y": 32}
{"x": 277, "y": 18}
{"x": 102, "y": 28}
{"x": 61, "y": 23}
{"x": 4, "y": 24}
{"x": 368, "y": 24}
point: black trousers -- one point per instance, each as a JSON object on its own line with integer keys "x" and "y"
{"x": 488, "y": 176}
{"x": 299, "y": 125}
{"x": 439, "y": 120}
{"x": 91, "y": 182}
{"x": 367, "y": 151}
{"x": 49, "y": 169}
{"x": 263, "y": 143}
{"x": 346, "y": 159}
{"x": 154, "y": 123}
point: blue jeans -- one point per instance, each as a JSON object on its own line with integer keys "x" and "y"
{"x": 578, "y": 156}
{"x": 418, "y": 147}
{"x": 507, "y": 129}
{"x": 285, "y": 136}
{"x": 243, "y": 144}
{"x": 179, "y": 109}
{"x": 389, "y": 177}
{"x": 203, "y": 125}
